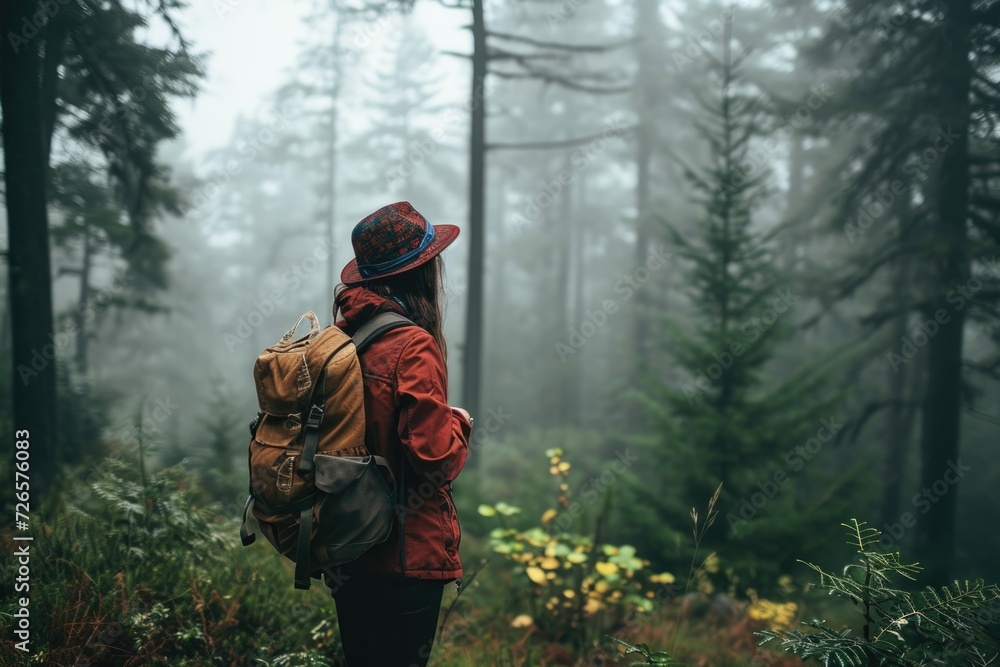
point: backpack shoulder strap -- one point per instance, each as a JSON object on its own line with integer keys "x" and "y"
{"x": 377, "y": 326}
{"x": 365, "y": 334}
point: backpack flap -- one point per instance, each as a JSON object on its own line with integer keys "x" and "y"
{"x": 283, "y": 382}
{"x": 355, "y": 509}
{"x": 335, "y": 474}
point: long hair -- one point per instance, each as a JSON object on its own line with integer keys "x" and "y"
{"x": 421, "y": 291}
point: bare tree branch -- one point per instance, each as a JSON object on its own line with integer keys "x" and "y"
{"x": 559, "y": 143}
{"x": 564, "y": 81}
{"x": 581, "y": 48}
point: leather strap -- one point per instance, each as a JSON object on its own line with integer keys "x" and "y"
{"x": 388, "y": 469}
{"x": 302, "y": 557}
{"x": 377, "y": 326}
{"x": 312, "y": 432}
{"x": 247, "y": 536}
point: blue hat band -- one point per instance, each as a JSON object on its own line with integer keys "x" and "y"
{"x": 373, "y": 270}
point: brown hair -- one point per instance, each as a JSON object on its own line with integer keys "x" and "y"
{"x": 421, "y": 291}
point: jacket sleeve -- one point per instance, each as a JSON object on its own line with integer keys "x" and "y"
{"x": 435, "y": 437}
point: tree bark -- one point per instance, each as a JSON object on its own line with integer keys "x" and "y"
{"x": 941, "y": 411}
{"x": 577, "y": 310}
{"x": 647, "y": 29}
{"x": 472, "y": 357}
{"x": 563, "y": 252}
{"x": 331, "y": 263}
{"x": 30, "y": 280}
{"x": 903, "y": 381}
{"x": 55, "y": 47}
{"x": 81, "y": 319}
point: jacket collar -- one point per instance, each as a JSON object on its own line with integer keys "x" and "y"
{"x": 358, "y": 304}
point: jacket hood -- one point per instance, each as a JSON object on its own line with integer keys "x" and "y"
{"x": 357, "y": 304}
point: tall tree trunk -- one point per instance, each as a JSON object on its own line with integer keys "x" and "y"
{"x": 643, "y": 156}
{"x": 941, "y": 412}
{"x": 577, "y": 309}
{"x": 563, "y": 250}
{"x": 331, "y": 262}
{"x": 28, "y": 263}
{"x": 550, "y": 277}
{"x": 81, "y": 319}
{"x": 472, "y": 358}
{"x": 55, "y": 41}
{"x": 5, "y": 317}
{"x": 499, "y": 259}
{"x": 796, "y": 186}
{"x": 497, "y": 324}
{"x": 647, "y": 27}
{"x": 900, "y": 414}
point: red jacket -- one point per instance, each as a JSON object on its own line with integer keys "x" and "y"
{"x": 409, "y": 422}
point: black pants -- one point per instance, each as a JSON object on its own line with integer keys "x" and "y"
{"x": 387, "y": 622}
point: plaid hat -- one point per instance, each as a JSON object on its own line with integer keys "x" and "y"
{"x": 394, "y": 239}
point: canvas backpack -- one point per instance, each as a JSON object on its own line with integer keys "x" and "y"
{"x": 318, "y": 495}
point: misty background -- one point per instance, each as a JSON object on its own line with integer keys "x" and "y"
{"x": 750, "y": 244}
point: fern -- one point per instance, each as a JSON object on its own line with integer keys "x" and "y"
{"x": 145, "y": 525}
{"x": 956, "y": 624}
{"x": 661, "y": 658}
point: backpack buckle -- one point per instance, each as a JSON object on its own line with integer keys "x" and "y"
{"x": 255, "y": 423}
{"x": 315, "y": 416}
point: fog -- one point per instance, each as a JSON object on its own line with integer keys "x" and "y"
{"x": 702, "y": 244}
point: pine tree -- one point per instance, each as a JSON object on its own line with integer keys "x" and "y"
{"x": 724, "y": 422}
{"x": 951, "y": 625}
{"x": 79, "y": 66}
{"x": 93, "y": 226}
{"x": 934, "y": 143}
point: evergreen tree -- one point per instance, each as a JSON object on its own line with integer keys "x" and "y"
{"x": 93, "y": 226}
{"x": 725, "y": 422}
{"x": 950, "y": 625}
{"x": 80, "y": 66}
{"x": 934, "y": 143}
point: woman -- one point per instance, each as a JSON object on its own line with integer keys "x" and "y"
{"x": 388, "y": 600}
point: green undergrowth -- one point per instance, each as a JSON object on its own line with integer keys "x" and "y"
{"x": 135, "y": 571}
{"x": 141, "y": 568}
